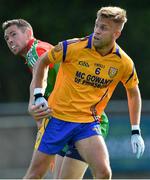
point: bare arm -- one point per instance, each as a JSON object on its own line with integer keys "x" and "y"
{"x": 40, "y": 71}
{"x": 134, "y": 104}
{"x": 31, "y": 91}
{"x": 32, "y": 85}
{"x": 36, "y": 111}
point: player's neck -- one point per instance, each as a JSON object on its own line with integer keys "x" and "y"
{"x": 105, "y": 50}
{"x": 28, "y": 46}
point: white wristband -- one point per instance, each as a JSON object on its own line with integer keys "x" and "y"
{"x": 38, "y": 91}
{"x": 135, "y": 127}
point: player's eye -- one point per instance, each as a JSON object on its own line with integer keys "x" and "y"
{"x": 102, "y": 28}
{"x": 14, "y": 34}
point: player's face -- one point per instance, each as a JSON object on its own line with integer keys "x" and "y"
{"x": 16, "y": 39}
{"x": 105, "y": 33}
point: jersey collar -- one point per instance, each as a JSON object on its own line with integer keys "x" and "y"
{"x": 115, "y": 49}
{"x": 30, "y": 44}
{"x": 26, "y": 49}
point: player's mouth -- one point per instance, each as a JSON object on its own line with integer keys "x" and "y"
{"x": 13, "y": 47}
{"x": 96, "y": 38}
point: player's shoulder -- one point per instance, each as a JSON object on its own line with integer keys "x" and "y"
{"x": 76, "y": 43}
{"x": 71, "y": 44}
{"x": 37, "y": 48}
{"x": 43, "y": 45}
{"x": 77, "y": 40}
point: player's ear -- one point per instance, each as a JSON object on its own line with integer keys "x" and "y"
{"x": 29, "y": 33}
{"x": 117, "y": 34}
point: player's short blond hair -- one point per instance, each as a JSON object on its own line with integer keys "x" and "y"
{"x": 116, "y": 14}
{"x": 20, "y": 23}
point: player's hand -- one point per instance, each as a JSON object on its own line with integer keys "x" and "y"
{"x": 39, "y": 109}
{"x": 39, "y": 98}
{"x": 42, "y": 101}
{"x": 137, "y": 143}
{"x": 39, "y": 112}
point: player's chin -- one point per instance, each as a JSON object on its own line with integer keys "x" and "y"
{"x": 15, "y": 52}
{"x": 96, "y": 43}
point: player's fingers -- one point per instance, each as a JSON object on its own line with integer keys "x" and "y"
{"x": 33, "y": 109}
{"x": 134, "y": 147}
{"x": 138, "y": 151}
{"x": 43, "y": 109}
{"x": 42, "y": 115}
{"x": 141, "y": 147}
{"x": 36, "y": 107}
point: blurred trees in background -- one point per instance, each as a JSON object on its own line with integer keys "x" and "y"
{"x": 54, "y": 21}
